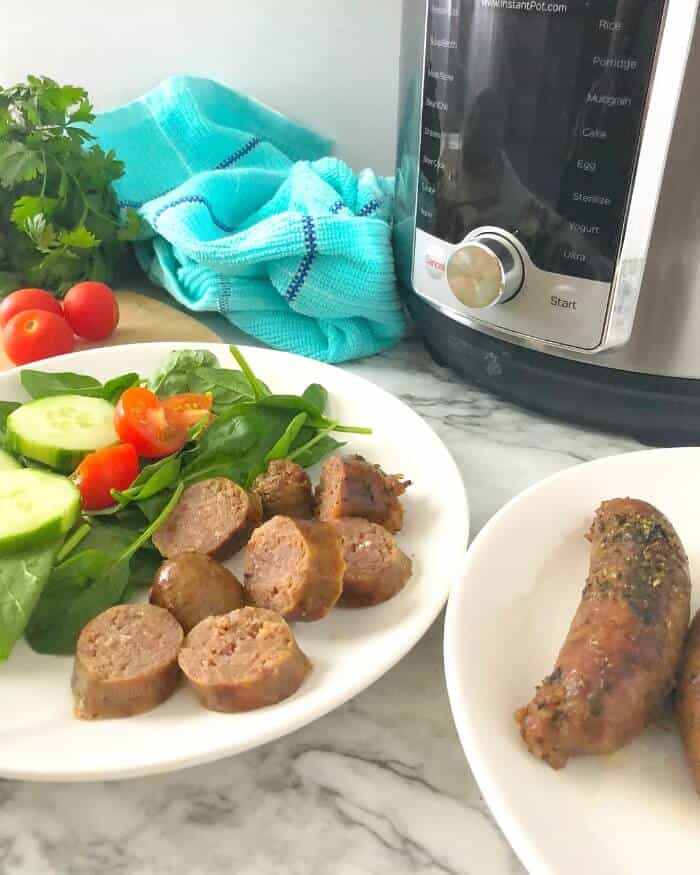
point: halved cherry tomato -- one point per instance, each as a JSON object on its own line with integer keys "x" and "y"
{"x": 140, "y": 419}
{"x": 112, "y": 468}
{"x": 188, "y": 408}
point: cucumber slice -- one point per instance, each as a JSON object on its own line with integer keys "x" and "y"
{"x": 36, "y": 507}
{"x": 61, "y": 430}
{"x": 8, "y": 462}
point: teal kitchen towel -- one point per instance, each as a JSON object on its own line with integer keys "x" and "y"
{"x": 244, "y": 213}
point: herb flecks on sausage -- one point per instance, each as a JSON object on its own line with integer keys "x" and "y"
{"x": 621, "y": 654}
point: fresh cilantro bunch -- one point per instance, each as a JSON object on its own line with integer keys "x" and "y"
{"x": 59, "y": 218}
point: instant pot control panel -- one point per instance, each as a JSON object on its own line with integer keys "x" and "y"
{"x": 540, "y": 162}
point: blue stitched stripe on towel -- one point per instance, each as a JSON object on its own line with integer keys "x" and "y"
{"x": 222, "y": 165}
{"x": 193, "y": 199}
{"x": 370, "y": 207}
{"x": 240, "y": 153}
{"x": 299, "y": 277}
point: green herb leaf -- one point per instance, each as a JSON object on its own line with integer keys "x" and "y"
{"x": 60, "y": 220}
{"x": 132, "y": 225}
{"x": 78, "y": 238}
{"x": 18, "y": 164}
{"x": 29, "y": 206}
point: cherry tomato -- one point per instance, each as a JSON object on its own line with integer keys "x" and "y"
{"x": 37, "y": 334}
{"x": 112, "y": 468}
{"x": 140, "y": 419}
{"x": 188, "y": 408}
{"x": 91, "y": 310}
{"x": 28, "y": 299}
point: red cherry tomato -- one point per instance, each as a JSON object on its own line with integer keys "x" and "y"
{"x": 37, "y": 334}
{"x": 140, "y": 419}
{"x": 28, "y": 299}
{"x": 188, "y": 408}
{"x": 112, "y": 468}
{"x": 91, "y": 310}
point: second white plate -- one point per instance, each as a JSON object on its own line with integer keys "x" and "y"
{"x": 633, "y": 812}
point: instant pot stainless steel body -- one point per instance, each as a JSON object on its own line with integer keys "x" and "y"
{"x": 548, "y": 203}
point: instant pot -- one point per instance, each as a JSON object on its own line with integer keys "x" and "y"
{"x": 548, "y": 203}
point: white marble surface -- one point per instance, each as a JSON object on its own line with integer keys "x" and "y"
{"x": 379, "y": 786}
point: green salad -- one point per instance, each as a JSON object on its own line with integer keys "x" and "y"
{"x": 65, "y": 555}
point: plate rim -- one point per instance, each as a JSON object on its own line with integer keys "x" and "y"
{"x": 176, "y": 763}
{"x": 527, "y": 849}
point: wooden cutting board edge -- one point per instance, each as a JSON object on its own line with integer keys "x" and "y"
{"x": 143, "y": 319}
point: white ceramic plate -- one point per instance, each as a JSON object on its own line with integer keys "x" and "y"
{"x": 633, "y": 812}
{"x": 41, "y": 740}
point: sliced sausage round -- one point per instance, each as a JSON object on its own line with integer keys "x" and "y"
{"x": 375, "y": 567}
{"x": 285, "y": 490}
{"x": 126, "y": 661}
{"x": 351, "y": 486}
{"x": 214, "y": 516}
{"x": 243, "y": 660}
{"x": 193, "y": 586}
{"x": 295, "y": 567}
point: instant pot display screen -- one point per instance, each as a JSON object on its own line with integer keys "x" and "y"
{"x": 532, "y": 113}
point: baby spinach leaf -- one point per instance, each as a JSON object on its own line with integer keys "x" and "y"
{"x": 284, "y": 444}
{"x": 312, "y": 445}
{"x": 260, "y": 390}
{"x": 235, "y": 444}
{"x": 142, "y": 568}
{"x": 226, "y": 386}
{"x": 88, "y": 582}
{"x": 83, "y": 586}
{"x": 152, "y": 479}
{"x": 176, "y": 372}
{"x": 39, "y": 384}
{"x": 22, "y": 579}
{"x": 114, "y": 388}
{"x": 317, "y": 395}
{"x": 151, "y": 507}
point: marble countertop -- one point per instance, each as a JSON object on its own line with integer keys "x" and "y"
{"x": 380, "y": 785}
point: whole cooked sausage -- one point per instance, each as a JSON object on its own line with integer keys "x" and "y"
{"x": 622, "y": 652}
{"x": 688, "y": 699}
{"x": 214, "y": 516}
{"x": 351, "y": 486}
{"x": 295, "y": 567}
{"x": 193, "y": 586}
{"x": 242, "y": 660}
{"x": 376, "y": 569}
{"x": 126, "y": 661}
{"x": 285, "y": 490}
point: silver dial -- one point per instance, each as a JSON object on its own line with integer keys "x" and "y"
{"x": 485, "y": 271}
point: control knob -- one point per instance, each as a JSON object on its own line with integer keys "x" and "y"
{"x": 485, "y": 270}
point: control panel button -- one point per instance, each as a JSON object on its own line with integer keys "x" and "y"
{"x": 435, "y": 262}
